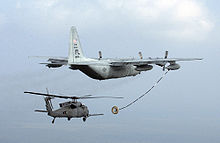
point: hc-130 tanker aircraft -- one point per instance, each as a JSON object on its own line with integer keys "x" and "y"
{"x": 108, "y": 68}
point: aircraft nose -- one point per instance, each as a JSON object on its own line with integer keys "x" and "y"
{"x": 86, "y": 111}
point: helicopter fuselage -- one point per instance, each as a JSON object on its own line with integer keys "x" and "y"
{"x": 70, "y": 110}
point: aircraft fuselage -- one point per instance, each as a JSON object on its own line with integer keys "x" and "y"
{"x": 104, "y": 71}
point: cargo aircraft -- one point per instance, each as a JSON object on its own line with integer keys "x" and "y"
{"x": 109, "y": 68}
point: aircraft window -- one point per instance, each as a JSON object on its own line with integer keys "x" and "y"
{"x": 72, "y": 106}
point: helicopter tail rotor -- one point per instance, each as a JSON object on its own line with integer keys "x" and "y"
{"x": 48, "y": 104}
{"x": 51, "y": 105}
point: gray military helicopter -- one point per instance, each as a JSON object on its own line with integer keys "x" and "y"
{"x": 69, "y": 109}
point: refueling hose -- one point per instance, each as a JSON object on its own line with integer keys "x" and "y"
{"x": 115, "y": 109}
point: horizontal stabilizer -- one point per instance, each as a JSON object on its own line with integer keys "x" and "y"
{"x": 40, "y": 111}
{"x": 58, "y": 63}
{"x": 95, "y": 114}
{"x": 48, "y": 57}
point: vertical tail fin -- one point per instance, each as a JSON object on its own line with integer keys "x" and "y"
{"x": 75, "y": 51}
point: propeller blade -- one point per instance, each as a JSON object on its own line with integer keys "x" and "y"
{"x": 165, "y": 57}
{"x": 140, "y": 55}
{"x": 100, "y": 54}
{"x": 166, "y": 54}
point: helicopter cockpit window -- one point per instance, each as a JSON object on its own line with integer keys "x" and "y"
{"x": 72, "y": 106}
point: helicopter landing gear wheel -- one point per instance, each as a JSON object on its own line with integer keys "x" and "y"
{"x": 115, "y": 110}
{"x": 84, "y": 119}
{"x": 53, "y": 120}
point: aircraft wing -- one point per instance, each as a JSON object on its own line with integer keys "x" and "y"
{"x": 90, "y": 63}
{"x": 157, "y": 61}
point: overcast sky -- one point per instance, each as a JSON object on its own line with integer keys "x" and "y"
{"x": 184, "y": 107}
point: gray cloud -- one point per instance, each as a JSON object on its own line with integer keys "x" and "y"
{"x": 183, "y": 20}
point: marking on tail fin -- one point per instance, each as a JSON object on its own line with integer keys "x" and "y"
{"x": 75, "y": 50}
{"x": 75, "y": 41}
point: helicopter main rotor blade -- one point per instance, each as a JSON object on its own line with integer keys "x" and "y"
{"x": 115, "y": 97}
{"x": 86, "y": 95}
{"x": 72, "y": 97}
{"x": 52, "y": 95}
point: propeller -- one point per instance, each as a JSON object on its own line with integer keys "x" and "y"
{"x": 140, "y": 55}
{"x": 166, "y": 54}
{"x": 165, "y": 57}
{"x": 100, "y": 55}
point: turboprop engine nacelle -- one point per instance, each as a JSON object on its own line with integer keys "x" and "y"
{"x": 144, "y": 68}
{"x": 173, "y": 67}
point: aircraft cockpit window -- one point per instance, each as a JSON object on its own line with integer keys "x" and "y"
{"x": 72, "y": 106}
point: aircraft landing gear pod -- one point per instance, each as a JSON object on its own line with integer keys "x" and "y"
{"x": 115, "y": 110}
